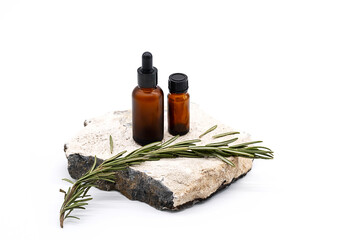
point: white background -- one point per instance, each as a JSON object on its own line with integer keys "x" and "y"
{"x": 284, "y": 71}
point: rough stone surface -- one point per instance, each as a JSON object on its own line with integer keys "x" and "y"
{"x": 166, "y": 184}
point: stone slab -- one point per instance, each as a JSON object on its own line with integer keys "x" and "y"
{"x": 166, "y": 184}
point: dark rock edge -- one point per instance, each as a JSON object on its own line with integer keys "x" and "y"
{"x": 133, "y": 184}
{"x": 151, "y": 192}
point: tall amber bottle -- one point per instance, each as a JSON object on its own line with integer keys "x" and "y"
{"x": 147, "y": 105}
{"x": 178, "y": 104}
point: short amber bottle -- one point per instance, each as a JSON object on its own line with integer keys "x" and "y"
{"x": 147, "y": 105}
{"x": 178, "y": 104}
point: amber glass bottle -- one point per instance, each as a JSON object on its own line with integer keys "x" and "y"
{"x": 147, "y": 105}
{"x": 178, "y": 104}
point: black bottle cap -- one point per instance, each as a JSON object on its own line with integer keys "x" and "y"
{"x": 147, "y": 74}
{"x": 178, "y": 83}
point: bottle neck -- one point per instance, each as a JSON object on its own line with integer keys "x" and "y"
{"x": 178, "y": 93}
{"x": 147, "y": 88}
{"x": 147, "y": 79}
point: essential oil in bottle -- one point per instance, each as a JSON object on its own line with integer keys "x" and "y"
{"x": 147, "y": 104}
{"x": 178, "y": 104}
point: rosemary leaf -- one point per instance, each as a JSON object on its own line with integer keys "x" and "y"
{"x": 83, "y": 200}
{"x": 236, "y": 153}
{"x": 173, "y": 150}
{"x": 203, "y": 148}
{"x": 144, "y": 148}
{"x": 224, "y": 159}
{"x": 200, "y": 153}
{"x": 108, "y": 180}
{"x": 111, "y": 144}
{"x": 223, "y": 143}
{"x": 79, "y": 208}
{"x": 171, "y": 140}
{"x": 260, "y": 147}
{"x": 245, "y": 144}
{"x": 93, "y": 166}
{"x": 67, "y": 180}
{"x": 186, "y": 143}
{"x": 68, "y": 213}
{"x": 75, "y": 205}
{"x": 239, "y": 153}
{"x": 263, "y": 157}
{"x": 86, "y": 190}
{"x": 185, "y": 155}
{"x": 255, "y": 151}
{"x": 209, "y": 130}
{"x": 116, "y": 156}
{"x": 225, "y": 134}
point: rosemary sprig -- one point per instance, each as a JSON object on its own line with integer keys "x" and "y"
{"x": 76, "y": 197}
{"x": 209, "y": 130}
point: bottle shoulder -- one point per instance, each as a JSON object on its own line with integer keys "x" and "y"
{"x": 157, "y": 91}
{"x": 178, "y": 96}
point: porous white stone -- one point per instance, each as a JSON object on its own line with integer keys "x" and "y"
{"x": 164, "y": 184}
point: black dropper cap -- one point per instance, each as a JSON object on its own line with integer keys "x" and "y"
{"x": 178, "y": 83}
{"x": 147, "y": 74}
